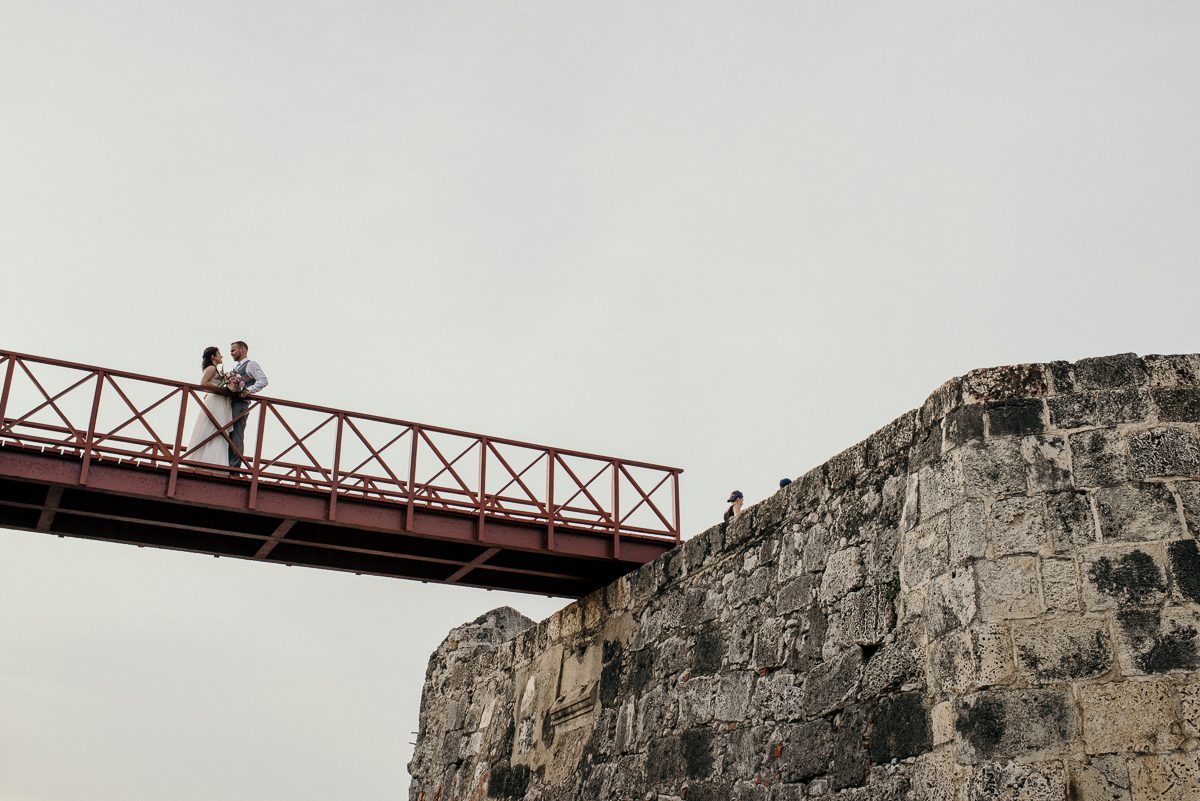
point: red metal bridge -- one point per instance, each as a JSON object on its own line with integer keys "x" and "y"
{"x": 100, "y": 454}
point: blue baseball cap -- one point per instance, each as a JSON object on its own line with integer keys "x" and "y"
{"x": 733, "y": 496}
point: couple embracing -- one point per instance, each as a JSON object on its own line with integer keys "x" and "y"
{"x": 226, "y": 406}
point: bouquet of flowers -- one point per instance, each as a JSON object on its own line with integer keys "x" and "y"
{"x": 234, "y": 382}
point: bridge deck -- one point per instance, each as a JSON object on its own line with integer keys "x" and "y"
{"x": 100, "y": 454}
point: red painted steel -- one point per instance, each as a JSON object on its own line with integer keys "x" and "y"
{"x": 370, "y": 472}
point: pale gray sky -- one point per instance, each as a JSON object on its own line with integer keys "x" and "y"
{"x": 732, "y": 237}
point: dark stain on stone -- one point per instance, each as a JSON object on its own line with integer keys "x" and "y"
{"x": 547, "y": 730}
{"x": 507, "y": 781}
{"x": 901, "y": 729}
{"x": 642, "y": 671}
{"x": 849, "y": 754}
{"x": 1092, "y": 658}
{"x": 1015, "y": 417}
{"x": 1133, "y": 579}
{"x": 709, "y": 651}
{"x": 1185, "y": 566}
{"x": 1177, "y": 405}
{"x": 964, "y": 424}
{"x": 610, "y": 682}
{"x": 1155, "y": 650}
{"x": 983, "y": 723}
{"x": 696, "y": 745}
{"x": 1110, "y": 372}
{"x": 664, "y": 759}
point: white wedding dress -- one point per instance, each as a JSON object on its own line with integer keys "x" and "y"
{"x": 216, "y": 449}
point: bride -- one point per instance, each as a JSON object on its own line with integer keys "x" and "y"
{"x": 207, "y": 444}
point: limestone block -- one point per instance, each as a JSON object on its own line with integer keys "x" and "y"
{"x": 1009, "y": 781}
{"x": 941, "y": 485}
{"x": 971, "y": 660}
{"x": 945, "y": 398}
{"x": 732, "y": 702}
{"x": 898, "y": 664}
{"x": 1069, "y": 521}
{"x": 1019, "y": 526}
{"x": 843, "y": 573}
{"x": 1028, "y": 723}
{"x": 1152, "y": 640}
{"x": 925, "y": 551}
{"x": 881, "y": 552}
{"x": 1099, "y": 778}
{"x": 968, "y": 532}
{"x": 1189, "y": 697}
{"x": 965, "y": 424}
{"x": 1110, "y": 372}
{"x": 942, "y": 719}
{"x": 934, "y": 776}
{"x": 1164, "y": 452}
{"x": 1010, "y": 382}
{"x": 950, "y": 602}
{"x": 802, "y": 751}
{"x": 995, "y": 469}
{"x": 696, "y": 698}
{"x": 1064, "y": 650}
{"x": 861, "y": 618}
{"x": 779, "y": 696}
{"x": 818, "y": 544}
{"x": 829, "y": 684}
{"x": 1189, "y": 497}
{"x": 1047, "y": 463}
{"x": 1060, "y": 585}
{"x": 1099, "y": 458}
{"x": 1105, "y": 408}
{"x": 1008, "y": 588}
{"x": 1137, "y": 512}
{"x": 910, "y": 512}
{"x": 1177, "y": 405}
{"x": 1165, "y": 777}
{"x": 900, "y": 728}
{"x": 1124, "y": 575}
{"x": 1016, "y": 417}
{"x": 1173, "y": 371}
{"x": 1128, "y": 717}
{"x": 769, "y": 648}
{"x": 797, "y": 595}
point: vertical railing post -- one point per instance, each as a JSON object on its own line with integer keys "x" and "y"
{"x": 91, "y": 431}
{"x": 177, "y": 452}
{"x": 675, "y": 497}
{"x": 483, "y": 449}
{"x": 258, "y": 445}
{"x": 412, "y": 478}
{"x": 8, "y": 377}
{"x": 337, "y": 464}
{"x": 550, "y": 500}
{"x": 616, "y": 510}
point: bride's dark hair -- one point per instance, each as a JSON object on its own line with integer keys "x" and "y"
{"x": 209, "y": 352}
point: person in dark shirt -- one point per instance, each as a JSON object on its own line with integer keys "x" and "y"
{"x": 735, "y": 505}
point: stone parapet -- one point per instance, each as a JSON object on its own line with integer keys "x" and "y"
{"x": 995, "y": 596}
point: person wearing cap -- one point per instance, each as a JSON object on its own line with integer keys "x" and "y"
{"x": 735, "y": 505}
{"x": 783, "y": 482}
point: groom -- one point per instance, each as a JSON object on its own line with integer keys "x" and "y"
{"x": 256, "y": 381}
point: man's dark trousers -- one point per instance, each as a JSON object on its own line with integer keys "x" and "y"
{"x": 238, "y": 432}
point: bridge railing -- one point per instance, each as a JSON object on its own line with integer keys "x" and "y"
{"x": 94, "y": 413}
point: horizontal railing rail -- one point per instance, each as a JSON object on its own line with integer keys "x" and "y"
{"x": 98, "y": 414}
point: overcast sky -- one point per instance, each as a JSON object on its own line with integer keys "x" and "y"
{"x": 735, "y": 237}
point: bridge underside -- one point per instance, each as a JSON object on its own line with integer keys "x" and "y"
{"x": 210, "y": 514}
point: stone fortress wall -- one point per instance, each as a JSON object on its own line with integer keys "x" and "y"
{"x": 996, "y": 596}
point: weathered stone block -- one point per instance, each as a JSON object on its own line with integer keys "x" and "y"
{"x": 1184, "y": 557}
{"x": 1060, "y": 585}
{"x": 1189, "y": 498}
{"x": 1019, "y": 526}
{"x": 1069, "y": 521}
{"x": 1010, "y": 781}
{"x": 796, "y": 595}
{"x": 1173, "y": 371}
{"x": 964, "y": 425}
{"x": 940, "y": 485}
{"x": 1099, "y": 778}
{"x": 1177, "y": 405}
{"x": 1017, "y": 417}
{"x": 901, "y": 728}
{"x": 971, "y": 660}
{"x": 843, "y": 573}
{"x": 1165, "y": 777}
{"x": 1110, "y": 372}
{"x": 1164, "y": 452}
{"x": 769, "y": 646}
{"x": 996, "y": 469}
{"x": 850, "y": 763}
{"x": 999, "y": 724}
{"x": 1047, "y": 463}
{"x": 968, "y": 532}
{"x": 1008, "y": 588}
{"x": 829, "y": 684}
{"x": 925, "y": 551}
{"x": 732, "y": 701}
{"x": 945, "y": 398}
{"x": 1127, "y": 717}
{"x": 1011, "y": 382}
{"x": 1064, "y": 650}
{"x": 1109, "y": 408}
{"x": 1189, "y": 702}
{"x": 861, "y": 618}
{"x": 950, "y": 602}
{"x": 1099, "y": 458}
{"x": 896, "y": 665}
{"x": 1124, "y": 576}
{"x": 802, "y": 751}
{"x": 1158, "y": 640}
{"x": 1137, "y": 512}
